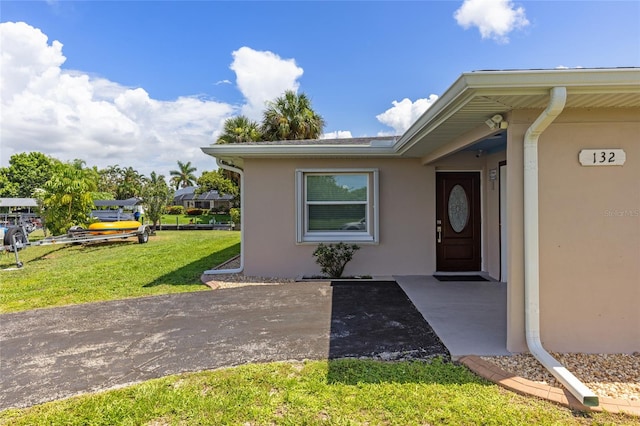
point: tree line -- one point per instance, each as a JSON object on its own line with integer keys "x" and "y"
{"x": 66, "y": 191}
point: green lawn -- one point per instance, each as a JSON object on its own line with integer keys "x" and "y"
{"x": 183, "y": 219}
{"x": 342, "y": 392}
{"x": 55, "y": 275}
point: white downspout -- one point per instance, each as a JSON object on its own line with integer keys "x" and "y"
{"x": 241, "y": 268}
{"x": 531, "y": 252}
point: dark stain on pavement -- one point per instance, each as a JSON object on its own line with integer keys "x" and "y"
{"x": 376, "y": 319}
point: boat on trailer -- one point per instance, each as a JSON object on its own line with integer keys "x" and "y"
{"x": 15, "y": 236}
{"x": 117, "y": 227}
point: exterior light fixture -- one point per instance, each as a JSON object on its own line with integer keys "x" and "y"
{"x": 495, "y": 122}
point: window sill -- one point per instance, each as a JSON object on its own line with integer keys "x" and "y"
{"x": 337, "y": 238}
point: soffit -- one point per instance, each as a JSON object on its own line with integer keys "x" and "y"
{"x": 477, "y": 106}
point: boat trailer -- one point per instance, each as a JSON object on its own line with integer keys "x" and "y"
{"x": 16, "y": 237}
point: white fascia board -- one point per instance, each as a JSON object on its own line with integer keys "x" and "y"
{"x": 283, "y": 151}
{"x": 453, "y": 99}
{"x": 546, "y": 79}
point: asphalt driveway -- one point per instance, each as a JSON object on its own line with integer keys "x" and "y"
{"x": 49, "y": 354}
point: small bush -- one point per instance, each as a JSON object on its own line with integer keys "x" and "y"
{"x": 174, "y": 210}
{"x": 194, "y": 212}
{"x": 334, "y": 257}
{"x": 235, "y": 215}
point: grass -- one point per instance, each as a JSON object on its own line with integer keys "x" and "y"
{"x": 56, "y": 275}
{"x": 340, "y": 392}
{"x": 183, "y": 219}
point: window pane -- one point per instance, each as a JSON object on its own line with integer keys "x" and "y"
{"x": 337, "y": 187}
{"x": 342, "y": 217}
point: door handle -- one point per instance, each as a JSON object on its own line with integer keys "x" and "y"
{"x": 439, "y": 233}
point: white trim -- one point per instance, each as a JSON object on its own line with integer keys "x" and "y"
{"x": 483, "y": 265}
{"x": 295, "y": 151}
{"x": 504, "y": 238}
{"x": 238, "y": 170}
{"x": 370, "y": 236}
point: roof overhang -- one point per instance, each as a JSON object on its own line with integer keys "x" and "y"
{"x": 463, "y": 110}
{"x": 334, "y": 148}
{"x": 477, "y": 96}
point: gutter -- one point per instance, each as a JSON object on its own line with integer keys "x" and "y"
{"x": 531, "y": 252}
{"x": 241, "y": 268}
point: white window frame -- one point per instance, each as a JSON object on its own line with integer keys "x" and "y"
{"x": 303, "y": 235}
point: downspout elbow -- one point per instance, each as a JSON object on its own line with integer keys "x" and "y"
{"x": 531, "y": 252}
{"x": 241, "y": 267}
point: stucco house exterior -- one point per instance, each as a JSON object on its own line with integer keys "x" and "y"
{"x": 531, "y": 177}
{"x": 187, "y": 198}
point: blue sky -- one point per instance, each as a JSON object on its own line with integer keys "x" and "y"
{"x": 147, "y": 83}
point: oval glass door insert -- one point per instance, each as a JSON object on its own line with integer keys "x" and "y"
{"x": 458, "y": 208}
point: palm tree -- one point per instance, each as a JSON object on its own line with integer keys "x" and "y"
{"x": 174, "y": 182}
{"x": 130, "y": 184}
{"x": 290, "y": 117}
{"x": 184, "y": 175}
{"x": 110, "y": 179}
{"x": 239, "y": 129}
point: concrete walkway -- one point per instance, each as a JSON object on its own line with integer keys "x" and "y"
{"x": 469, "y": 317}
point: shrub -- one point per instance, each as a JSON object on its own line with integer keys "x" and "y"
{"x": 334, "y": 257}
{"x": 174, "y": 210}
{"x": 235, "y": 215}
{"x": 194, "y": 212}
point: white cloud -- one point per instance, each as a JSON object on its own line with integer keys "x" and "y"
{"x": 69, "y": 114}
{"x": 263, "y": 76}
{"x": 338, "y": 134}
{"x": 494, "y": 18}
{"x": 404, "y": 113}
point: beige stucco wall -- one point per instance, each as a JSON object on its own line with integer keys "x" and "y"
{"x": 515, "y": 234}
{"x": 589, "y": 234}
{"x": 491, "y": 218}
{"x": 407, "y": 219}
{"x": 407, "y": 216}
{"x": 589, "y": 227}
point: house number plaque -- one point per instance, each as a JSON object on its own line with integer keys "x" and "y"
{"x": 602, "y": 157}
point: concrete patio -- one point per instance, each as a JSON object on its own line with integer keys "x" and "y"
{"x": 469, "y": 317}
